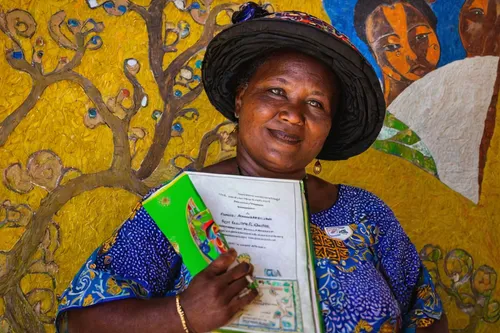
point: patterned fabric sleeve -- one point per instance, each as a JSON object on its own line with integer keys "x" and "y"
{"x": 408, "y": 278}
{"x": 137, "y": 261}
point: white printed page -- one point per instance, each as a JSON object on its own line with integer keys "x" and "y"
{"x": 263, "y": 220}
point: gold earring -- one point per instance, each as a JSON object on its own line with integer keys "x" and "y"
{"x": 317, "y": 167}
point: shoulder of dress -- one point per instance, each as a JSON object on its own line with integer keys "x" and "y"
{"x": 364, "y": 202}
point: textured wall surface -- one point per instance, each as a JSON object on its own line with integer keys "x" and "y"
{"x": 99, "y": 104}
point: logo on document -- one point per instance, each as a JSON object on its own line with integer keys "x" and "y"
{"x": 272, "y": 272}
{"x": 341, "y": 233}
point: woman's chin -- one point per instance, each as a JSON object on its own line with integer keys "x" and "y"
{"x": 282, "y": 163}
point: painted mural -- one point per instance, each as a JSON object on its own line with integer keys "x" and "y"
{"x": 408, "y": 39}
{"x": 101, "y": 100}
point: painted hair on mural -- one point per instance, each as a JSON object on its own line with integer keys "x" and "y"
{"x": 364, "y": 8}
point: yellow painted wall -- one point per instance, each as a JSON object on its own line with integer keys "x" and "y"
{"x": 430, "y": 212}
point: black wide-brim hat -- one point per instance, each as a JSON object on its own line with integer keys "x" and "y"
{"x": 360, "y": 116}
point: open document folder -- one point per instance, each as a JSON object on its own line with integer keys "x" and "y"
{"x": 266, "y": 221}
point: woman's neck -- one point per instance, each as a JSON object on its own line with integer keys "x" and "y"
{"x": 247, "y": 166}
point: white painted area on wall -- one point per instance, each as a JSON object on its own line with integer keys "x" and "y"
{"x": 447, "y": 108}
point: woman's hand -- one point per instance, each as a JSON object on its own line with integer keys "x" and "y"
{"x": 217, "y": 294}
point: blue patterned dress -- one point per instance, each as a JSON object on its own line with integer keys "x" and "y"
{"x": 373, "y": 281}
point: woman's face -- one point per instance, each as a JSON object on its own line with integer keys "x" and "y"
{"x": 405, "y": 45}
{"x": 285, "y": 111}
{"x": 480, "y": 27}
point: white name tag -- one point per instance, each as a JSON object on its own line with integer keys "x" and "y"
{"x": 340, "y": 233}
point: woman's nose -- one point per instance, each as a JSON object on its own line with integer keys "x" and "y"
{"x": 292, "y": 114}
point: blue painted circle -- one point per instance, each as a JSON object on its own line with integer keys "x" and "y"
{"x": 177, "y": 127}
{"x": 92, "y": 113}
{"x": 17, "y": 55}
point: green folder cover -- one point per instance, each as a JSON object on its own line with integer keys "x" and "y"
{"x": 182, "y": 215}
{"x": 198, "y": 239}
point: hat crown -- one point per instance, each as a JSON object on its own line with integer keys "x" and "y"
{"x": 250, "y": 11}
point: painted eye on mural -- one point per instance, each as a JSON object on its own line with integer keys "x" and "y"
{"x": 421, "y": 37}
{"x": 391, "y": 47}
{"x": 476, "y": 11}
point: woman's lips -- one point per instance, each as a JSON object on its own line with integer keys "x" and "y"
{"x": 284, "y": 137}
{"x": 419, "y": 70}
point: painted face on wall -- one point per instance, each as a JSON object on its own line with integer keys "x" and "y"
{"x": 480, "y": 27}
{"x": 404, "y": 43}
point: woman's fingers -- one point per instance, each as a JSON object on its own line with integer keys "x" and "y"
{"x": 236, "y": 288}
{"x": 220, "y": 265}
{"x": 237, "y": 272}
{"x": 239, "y": 302}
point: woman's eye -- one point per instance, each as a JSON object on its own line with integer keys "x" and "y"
{"x": 315, "y": 104}
{"x": 392, "y": 47}
{"x": 421, "y": 37}
{"x": 277, "y": 91}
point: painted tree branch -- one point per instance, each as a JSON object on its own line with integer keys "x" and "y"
{"x": 12, "y": 120}
{"x": 77, "y": 58}
{"x": 207, "y": 140}
{"x": 172, "y": 104}
{"x": 184, "y": 114}
{"x": 121, "y": 154}
{"x": 20, "y": 314}
{"x": 188, "y": 98}
{"x": 153, "y": 17}
{"x": 21, "y": 64}
{"x": 175, "y": 66}
{"x": 9, "y": 25}
{"x": 17, "y": 60}
{"x": 131, "y": 68}
{"x": 15, "y": 267}
{"x": 141, "y": 10}
{"x": 40, "y": 83}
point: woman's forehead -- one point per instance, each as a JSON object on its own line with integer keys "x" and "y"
{"x": 298, "y": 69}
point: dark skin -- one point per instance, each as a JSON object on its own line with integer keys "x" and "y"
{"x": 285, "y": 114}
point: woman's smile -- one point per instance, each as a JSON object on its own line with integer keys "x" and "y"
{"x": 284, "y": 137}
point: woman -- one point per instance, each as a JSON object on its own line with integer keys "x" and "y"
{"x": 401, "y": 35}
{"x": 480, "y": 27}
{"x": 291, "y": 107}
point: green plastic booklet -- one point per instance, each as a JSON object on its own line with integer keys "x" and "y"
{"x": 266, "y": 221}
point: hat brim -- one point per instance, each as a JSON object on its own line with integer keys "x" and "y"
{"x": 361, "y": 113}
